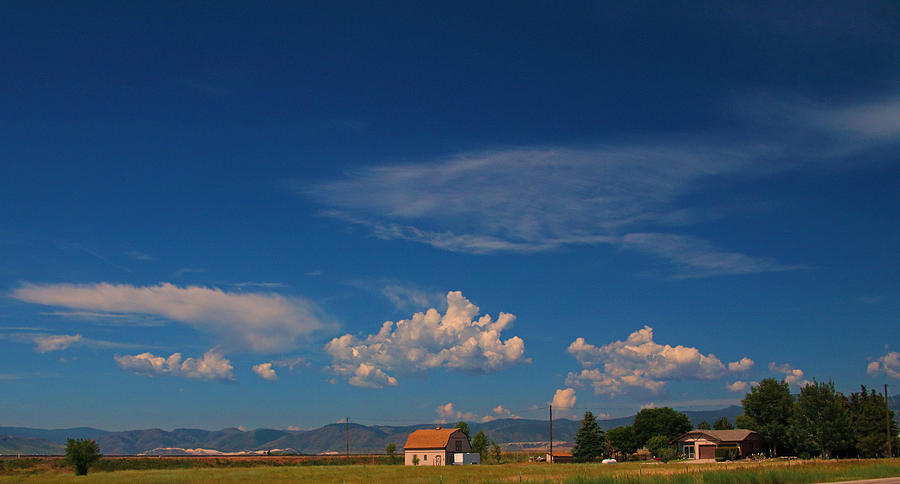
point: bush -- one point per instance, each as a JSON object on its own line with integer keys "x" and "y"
{"x": 81, "y": 453}
{"x": 727, "y": 453}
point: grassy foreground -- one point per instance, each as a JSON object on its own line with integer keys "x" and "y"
{"x": 775, "y": 472}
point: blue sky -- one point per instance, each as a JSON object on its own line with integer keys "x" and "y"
{"x": 210, "y": 211}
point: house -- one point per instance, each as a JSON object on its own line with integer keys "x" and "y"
{"x": 702, "y": 444}
{"x": 434, "y": 447}
{"x": 560, "y": 457}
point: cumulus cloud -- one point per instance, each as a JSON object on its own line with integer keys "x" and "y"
{"x": 258, "y": 322}
{"x": 55, "y": 342}
{"x": 500, "y": 412}
{"x": 794, "y": 376}
{"x": 888, "y": 364}
{"x": 640, "y": 363}
{"x": 265, "y": 371}
{"x": 212, "y": 366}
{"x": 458, "y": 340}
{"x": 564, "y": 399}
{"x": 737, "y": 386}
{"x": 447, "y": 412}
{"x": 744, "y": 364}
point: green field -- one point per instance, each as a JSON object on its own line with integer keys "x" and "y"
{"x": 772, "y": 472}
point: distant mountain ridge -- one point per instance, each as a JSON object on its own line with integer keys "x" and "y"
{"x": 327, "y": 439}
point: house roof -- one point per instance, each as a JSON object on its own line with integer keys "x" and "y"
{"x": 736, "y": 435}
{"x": 436, "y": 438}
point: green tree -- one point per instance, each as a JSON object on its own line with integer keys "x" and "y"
{"x": 868, "y": 422}
{"x": 415, "y": 460}
{"x": 589, "y": 440}
{"x": 660, "y": 421}
{"x": 722, "y": 424}
{"x": 622, "y": 439}
{"x": 391, "y": 451}
{"x": 744, "y": 422}
{"x": 82, "y": 453}
{"x": 820, "y": 423}
{"x": 769, "y": 405}
{"x": 657, "y": 443}
{"x": 704, "y": 425}
{"x": 480, "y": 445}
{"x": 465, "y": 429}
{"x": 496, "y": 452}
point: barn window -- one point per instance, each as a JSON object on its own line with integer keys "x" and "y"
{"x": 458, "y": 445}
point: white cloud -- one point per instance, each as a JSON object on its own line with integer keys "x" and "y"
{"x": 648, "y": 405}
{"x": 294, "y": 428}
{"x": 737, "y": 386}
{"x": 265, "y": 371}
{"x": 447, "y": 412}
{"x": 259, "y": 322}
{"x": 55, "y": 342}
{"x": 640, "y": 363}
{"x": 564, "y": 399}
{"x": 138, "y": 255}
{"x": 888, "y": 364}
{"x": 212, "y": 366}
{"x": 500, "y": 412}
{"x": 744, "y": 364}
{"x": 455, "y": 340}
{"x": 527, "y": 199}
{"x": 794, "y": 376}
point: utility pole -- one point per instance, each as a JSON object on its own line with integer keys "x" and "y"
{"x": 348, "y": 437}
{"x": 551, "y": 433}
{"x": 887, "y": 421}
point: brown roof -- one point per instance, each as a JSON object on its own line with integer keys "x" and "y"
{"x": 736, "y": 435}
{"x": 430, "y": 438}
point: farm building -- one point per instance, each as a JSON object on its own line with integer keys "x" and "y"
{"x": 560, "y": 457}
{"x": 435, "y": 447}
{"x": 702, "y": 444}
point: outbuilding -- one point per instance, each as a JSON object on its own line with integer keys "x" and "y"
{"x": 435, "y": 447}
{"x": 702, "y": 444}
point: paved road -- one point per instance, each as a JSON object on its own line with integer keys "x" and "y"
{"x": 886, "y": 480}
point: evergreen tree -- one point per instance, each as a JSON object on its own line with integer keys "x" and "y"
{"x": 589, "y": 441}
{"x": 769, "y": 406}
{"x": 868, "y": 422}
{"x": 659, "y": 421}
{"x": 704, "y": 425}
{"x": 722, "y": 424}
{"x": 820, "y": 423}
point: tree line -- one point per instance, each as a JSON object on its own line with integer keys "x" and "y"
{"x": 819, "y": 422}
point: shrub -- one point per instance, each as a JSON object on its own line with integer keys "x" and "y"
{"x": 727, "y": 453}
{"x": 81, "y": 453}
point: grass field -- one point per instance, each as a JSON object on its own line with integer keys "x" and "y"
{"x": 193, "y": 471}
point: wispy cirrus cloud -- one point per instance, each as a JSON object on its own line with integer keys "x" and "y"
{"x": 632, "y": 196}
{"x": 47, "y": 342}
{"x": 257, "y": 322}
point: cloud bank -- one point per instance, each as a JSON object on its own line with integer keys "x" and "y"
{"x": 213, "y": 366}
{"x": 639, "y": 363}
{"x": 455, "y": 340}
{"x": 257, "y": 322}
{"x": 888, "y": 364}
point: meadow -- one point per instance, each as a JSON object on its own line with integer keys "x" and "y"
{"x": 175, "y": 470}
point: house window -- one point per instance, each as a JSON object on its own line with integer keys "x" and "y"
{"x": 458, "y": 445}
{"x": 425, "y": 457}
{"x": 689, "y": 451}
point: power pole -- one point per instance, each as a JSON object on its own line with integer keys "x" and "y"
{"x": 348, "y": 437}
{"x": 551, "y": 433}
{"x": 887, "y": 421}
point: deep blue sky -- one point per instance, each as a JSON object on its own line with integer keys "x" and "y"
{"x": 265, "y": 186}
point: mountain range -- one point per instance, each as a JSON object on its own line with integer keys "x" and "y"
{"x": 511, "y": 433}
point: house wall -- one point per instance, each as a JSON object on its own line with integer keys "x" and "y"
{"x": 427, "y": 457}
